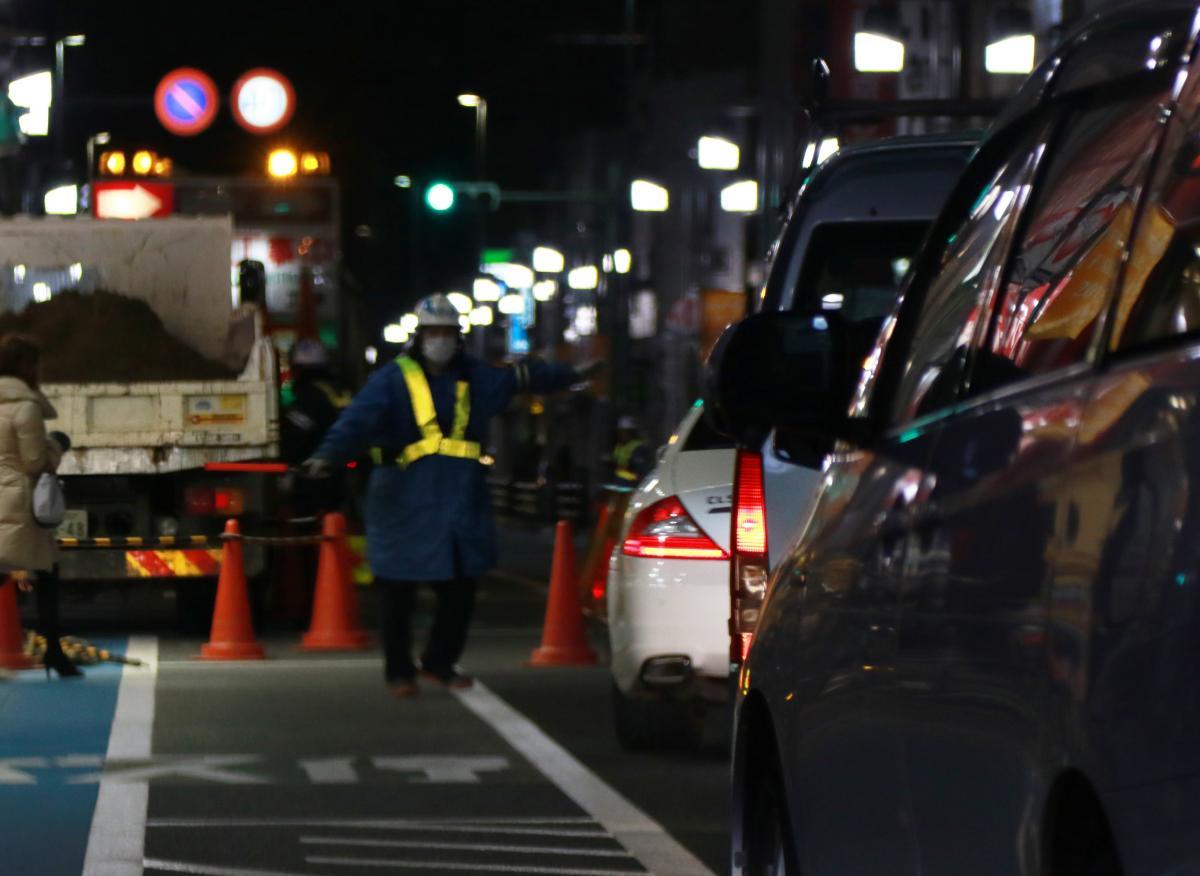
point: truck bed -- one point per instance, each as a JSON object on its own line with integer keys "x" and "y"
{"x": 152, "y": 428}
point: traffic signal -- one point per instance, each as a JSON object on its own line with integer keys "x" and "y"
{"x": 439, "y": 197}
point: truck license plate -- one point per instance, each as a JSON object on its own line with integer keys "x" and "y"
{"x": 74, "y": 525}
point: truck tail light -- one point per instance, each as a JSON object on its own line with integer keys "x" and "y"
{"x": 199, "y": 501}
{"x": 749, "y": 570}
{"x": 665, "y": 530}
{"x": 229, "y": 502}
{"x": 207, "y": 501}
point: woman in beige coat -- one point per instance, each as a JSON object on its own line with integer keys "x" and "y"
{"x": 26, "y": 548}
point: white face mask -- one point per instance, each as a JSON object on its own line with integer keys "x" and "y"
{"x": 439, "y": 351}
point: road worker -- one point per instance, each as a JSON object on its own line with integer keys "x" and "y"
{"x": 429, "y": 519}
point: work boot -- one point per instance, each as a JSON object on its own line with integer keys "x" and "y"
{"x": 451, "y": 678}
{"x": 403, "y": 688}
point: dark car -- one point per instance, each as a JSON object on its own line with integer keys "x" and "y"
{"x": 981, "y": 654}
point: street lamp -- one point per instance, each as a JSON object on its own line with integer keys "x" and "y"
{"x": 717, "y": 153}
{"x": 878, "y": 47}
{"x": 479, "y": 104}
{"x": 60, "y": 48}
{"x": 1013, "y": 45}
{"x": 35, "y": 94}
{"x": 648, "y": 197}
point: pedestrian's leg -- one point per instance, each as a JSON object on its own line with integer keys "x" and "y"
{"x": 45, "y": 592}
{"x": 396, "y": 599}
{"x": 448, "y": 638}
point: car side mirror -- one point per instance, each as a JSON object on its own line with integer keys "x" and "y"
{"x": 786, "y": 370}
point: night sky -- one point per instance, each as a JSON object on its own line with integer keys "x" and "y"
{"x": 376, "y": 84}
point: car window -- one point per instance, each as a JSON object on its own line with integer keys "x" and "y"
{"x": 1160, "y": 292}
{"x": 894, "y": 187}
{"x": 1065, "y": 267}
{"x": 855, "y": 268}
{"x": 957, "y": 295}
{"x": 704, "y": 437}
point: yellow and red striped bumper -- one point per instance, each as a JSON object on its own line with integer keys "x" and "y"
{"x": 173, "y": 563}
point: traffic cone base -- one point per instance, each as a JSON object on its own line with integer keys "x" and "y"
{"x": 564, "y": 639}
{"x": 12, "y": 640}
{"x": 232, "y": 636}
{"x": 232, "y": 651}
{"x": 554, "y": 656}
{"x": 335, "y": 620}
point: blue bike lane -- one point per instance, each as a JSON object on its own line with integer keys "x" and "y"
{"x": 53, "y": 737}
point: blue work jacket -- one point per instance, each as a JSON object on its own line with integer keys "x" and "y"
{"x": 431, "y": 521}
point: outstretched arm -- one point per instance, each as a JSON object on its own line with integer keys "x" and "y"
{"x": 350, "y": 436}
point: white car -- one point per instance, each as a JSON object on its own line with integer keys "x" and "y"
{"x": 668, "y": 592}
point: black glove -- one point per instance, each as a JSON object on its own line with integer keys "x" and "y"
{"x": 588, "y": 370}
{"x": 61, "y": 439}
{"x": 316, "y": 468}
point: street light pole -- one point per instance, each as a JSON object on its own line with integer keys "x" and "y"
{"x": 58, "y": 115}
{"x": 479, "y": 104}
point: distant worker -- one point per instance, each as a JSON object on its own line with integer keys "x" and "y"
{"x": 317, "y": 401}
{"x": 429, "y": 516}
{"x": 632, "y": 457}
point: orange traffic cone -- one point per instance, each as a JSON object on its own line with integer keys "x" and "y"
{"x": 335, "y": 620}
{"x": 232, "y": 636}
{"x": 12, "y": 641}
{"x": 564, "y": 642}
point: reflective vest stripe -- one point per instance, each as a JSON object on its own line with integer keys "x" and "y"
{"x": 462, "y": 410}
{"x": 432, "y": 441}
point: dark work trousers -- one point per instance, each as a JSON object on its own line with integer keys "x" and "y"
{"x": 45, "y": 594}
{"x": 447, "y": 638}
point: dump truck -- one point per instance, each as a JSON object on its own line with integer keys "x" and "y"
{"x": 135, "y": 473}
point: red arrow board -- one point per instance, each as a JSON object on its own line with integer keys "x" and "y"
{"x": 132, "y": 199}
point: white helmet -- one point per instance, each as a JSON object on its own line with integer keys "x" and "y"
{"x": 437, "y": 310}
{"x": 309, "y": 352}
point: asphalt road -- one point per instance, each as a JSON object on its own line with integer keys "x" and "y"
{"x": 303, "y": 764}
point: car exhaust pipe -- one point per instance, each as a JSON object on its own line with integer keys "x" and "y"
{"x": 669, "y": 671}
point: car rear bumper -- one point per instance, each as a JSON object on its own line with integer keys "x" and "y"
{"x": 668, "y": 622}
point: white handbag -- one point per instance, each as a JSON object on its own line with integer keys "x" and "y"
{"x": 49, "y": 503}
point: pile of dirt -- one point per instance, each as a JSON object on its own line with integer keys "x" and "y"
{"x": 103, "y": 337}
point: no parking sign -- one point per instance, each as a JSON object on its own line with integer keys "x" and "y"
{"x": 186, "y": 101}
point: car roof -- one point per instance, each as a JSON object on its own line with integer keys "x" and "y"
{"x": 1043, "y": 82}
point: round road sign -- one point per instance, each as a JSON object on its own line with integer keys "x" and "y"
{"x": 263, "y": 101}
{"x": 186, "y": 101}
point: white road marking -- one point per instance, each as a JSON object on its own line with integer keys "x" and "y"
{"x": 632, "y": 828}
{"x": 298, "y": 665}
{"x": 208, "y": 768}
{"x": 439, "y": 769}
{"x": 378, "y": 824}
{"x": 210, "y": 870}
{"x": 330, "y": 770}
{"x": 11, "y": 775}
{"x": 468, "y": 847}
{"x": 117, "y": 841}
{"x": 475, "y": 867}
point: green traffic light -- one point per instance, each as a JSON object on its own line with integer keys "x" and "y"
{"x": 439, "y": 197}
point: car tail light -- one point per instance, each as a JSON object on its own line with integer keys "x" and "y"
{"x": 229, "y": 502}
{"x": 199, "y": 501}
{"x": 749, "y": 570}
{"x": 665, "y": 530}
{"x": 600, "y": 584}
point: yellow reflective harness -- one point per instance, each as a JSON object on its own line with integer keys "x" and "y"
{"x": 433, "y": 442}
{"x": 623, "y": 456}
